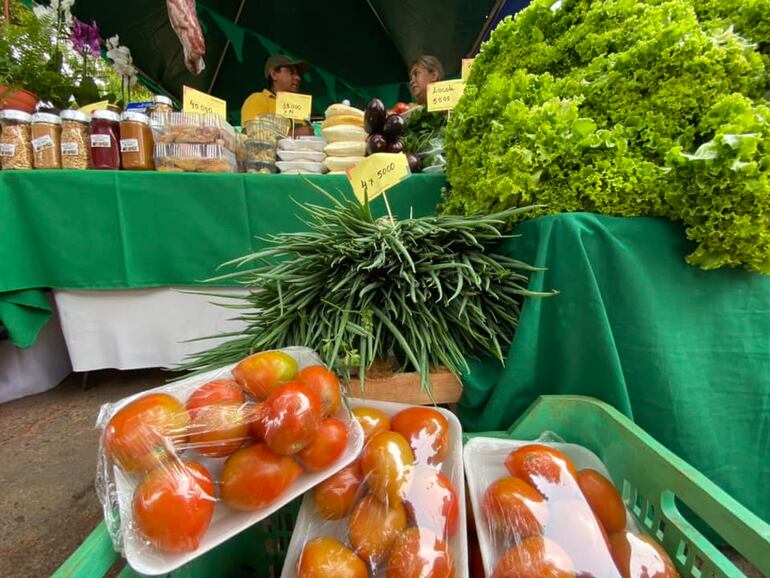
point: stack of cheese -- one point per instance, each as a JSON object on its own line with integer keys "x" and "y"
{"x": 344, "y": 132}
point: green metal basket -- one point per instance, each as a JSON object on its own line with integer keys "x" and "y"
{"x": 654, "y": 481}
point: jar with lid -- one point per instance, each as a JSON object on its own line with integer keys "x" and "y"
{"x": 136, "y": 143}
{"x": 105, "y": 140}
{"x": 163, "y": 104}
{"x": 16, "y": 140}
{"x": 46, "y": 141}
{"x": 75, "y": 143}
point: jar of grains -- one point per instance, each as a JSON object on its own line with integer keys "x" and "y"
{"x": 105, "y": 140}
{"x": 136, "y": 143}
{"x": 46, "y": 140}
{"x": 75, "y": 144}
{"x": 16, "y": 140}
{"x": 163, "y": 104}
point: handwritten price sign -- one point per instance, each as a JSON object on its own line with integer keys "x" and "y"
{"x": 377, "y": 173}
{"x": 200, "y": 102}
{"x": 292, "y": 105}
{"x": 444, "y": 95}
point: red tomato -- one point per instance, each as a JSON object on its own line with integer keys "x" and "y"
{"x": 291, "y": 418}
{"x": 262, "y": 372}
{"x": 544, "y": 468}
{"x": 419, "y": 553}
{"x": 255, "y": 414}
{"x": 253, "y": 477}
{"x": 514, "y": 509}
{"x": 218, "y": 430}
{"x": 325, "y": 385}
{"x": 388, "y": 462}
{"x": 604, "y": 500}
{"x": 639, "y": 556}
{"x": 400, "y": 107}
{"x": 372, "y": 421}
{"x": 334, "y": 497}
{"x": 373, "y": 527}
{"x": 327, "y": 447}
{"x": 141, "y": 435}
{"x": 328, "y": 558}
{"x": 427, "y": 432}
{"x": 431, "y": 501}
{"x": 535, "y": 557}
{"x": 217, "y": 391}
{"x": 173, "y": 506}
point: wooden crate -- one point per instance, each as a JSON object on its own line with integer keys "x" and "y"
{"x": 405, "y": 388}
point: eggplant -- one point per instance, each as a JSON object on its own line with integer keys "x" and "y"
{"x": 374, "y": 116}
{"x": 394, "y": 128}
{"x": 414, "y": 163}
{"x": 376, "y": 143}
{"x": 396, "y": 147}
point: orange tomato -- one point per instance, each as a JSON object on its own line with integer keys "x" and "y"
{"x": 334, "y": 497}
{"x": 262, "y": 372}
{"x": 388, "y": 461}
{"x": 173, "y": 506}
{"x": 639, "y": 556}
{"x": 372, "y": 421}
{"x": 218, "y": 430}
{"x": 427, "y": 432}
{"x": 544, "y": 468}
{"x": 291, "y": 417}
{"x": 431, "y": 502}
{"x": 217, "y": 391}
{"x": 419, "y": 553}
{"x": 327, "y": 558}
{"x": 254, "y": 477}
{"x": 535, "y": 557}
{"x": 373, "y": 527}
{"x": 140, "y": 436}
{"x": 325, "y": 385}
{"x": 327, "y": 446}
{"x": 255, "y": 412}
{"x": 514, "y": 509}
{"x": 604, "y": 500}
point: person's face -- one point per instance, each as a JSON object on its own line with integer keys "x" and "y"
{"x": 286, "y": 79}
{"x": 419, "y": 79}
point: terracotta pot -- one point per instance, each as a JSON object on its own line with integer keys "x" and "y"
{"x": 18, "y": 99}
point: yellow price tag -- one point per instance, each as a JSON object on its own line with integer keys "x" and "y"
{"x": 377, "y": 173}
{"x": 293, "y": 105}
{"x": 467, "y": 64}
{"x": 90, "y": 108}
{"x": 444, "y": 95}
{"x": 197, "y": 101}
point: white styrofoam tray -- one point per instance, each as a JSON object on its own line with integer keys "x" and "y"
{"x": 309, "y": 143}
{"x": 313, "y": 156}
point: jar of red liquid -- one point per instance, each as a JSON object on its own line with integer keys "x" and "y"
{"x": 105, "y": 140}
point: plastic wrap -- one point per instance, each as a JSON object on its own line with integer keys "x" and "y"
{"x": 184, "y": 467}
{"x": 549, "y": 509}
{"x": 398, "y": 511}
{"x": 303, "y": 143}
{"x": 193, "y": 128}
{"x": 194, "y": 158}
{"x": 267, "y": 127}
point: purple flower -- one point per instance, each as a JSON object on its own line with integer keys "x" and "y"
{"x": 85, "y": 37}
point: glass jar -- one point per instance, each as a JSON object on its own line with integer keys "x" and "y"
{"x": 136, "y": 142}
{"x": 16, "y": 140}
{"x": 162, "y": 104}
{"x": 75, "y": 144}
{"x": 105, "y": 140}
{"x": 46, "y": 141}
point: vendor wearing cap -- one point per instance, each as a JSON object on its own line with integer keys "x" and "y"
{"x": 282, "y": 74}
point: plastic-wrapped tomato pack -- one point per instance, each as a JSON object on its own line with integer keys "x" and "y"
{"x": 398, "y": 511}
{"x": 550, "y": 510}
{"x": 186, "y": 466}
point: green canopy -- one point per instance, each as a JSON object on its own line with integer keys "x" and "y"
{"x": 357, "y": 49}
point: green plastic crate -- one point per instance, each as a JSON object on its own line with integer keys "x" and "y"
{"x": 653, "y": 479}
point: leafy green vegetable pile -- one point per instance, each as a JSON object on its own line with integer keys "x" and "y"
{"x": 629, "y": 108}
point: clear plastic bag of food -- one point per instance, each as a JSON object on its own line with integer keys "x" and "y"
{"x": 397, "y": 511}
{"x": 186, "y": 466}
{"x": 547, "y": 508}
{"x": 193, "y": 128}
{"x": 194, "y": 158}
{"x": 267, "y": 127}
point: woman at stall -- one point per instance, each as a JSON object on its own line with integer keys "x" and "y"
{"x": 424, "y": 70}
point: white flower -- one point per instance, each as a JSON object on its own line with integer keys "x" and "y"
{"x": 66, "y": 4}
{"x": 40, "y": 11}
{"x": 113, "y": 43}
{"x": 55, "y": 5}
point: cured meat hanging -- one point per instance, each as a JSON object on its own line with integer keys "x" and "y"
{"x": 184, "y": 21}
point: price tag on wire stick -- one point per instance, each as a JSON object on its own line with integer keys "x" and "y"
{"x": 377, "y": 173}
{"x": 444, "y": 95}
{"x": 465, "y": 71}
{"x": 197, "y": 101}
{"x": 293, "y": 105}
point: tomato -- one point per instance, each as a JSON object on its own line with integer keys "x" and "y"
{"x": 514, "y": 509}
{"x": 218, "y": 430}
{"x": 173, "y": 506}
{"x": 253, "y": 477}
{"x": 291, "y": 418}
{"x": 427, "y": 432}
{"x": 388, "y": 461}
{"x": 327, "y": 446}
{"x": 639, "y": 556}
{"x": 262, "y": 372}
{"x": 255, "y": 413}
{"x": 334, "y": 497}
{"x": 400, "y": 107}
{"x": 140, "y": 435}
{"x": 431, "y": 502}
{"x": 217, "y": 391}
{"x": 545, "y": 468}
{"x": 325, "y": 385}
{"x": 328, "y": 558}
{"x": 535, "y": 557}
{"x": 372, "y": 421}
{"x": 419, "y": 553}
{"x": 604, "y": 500}
{"x": 373, "y": 527}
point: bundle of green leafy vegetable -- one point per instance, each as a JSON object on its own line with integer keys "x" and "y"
{"x": 629, "y": 108}
{"x": 424, "y": 137}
